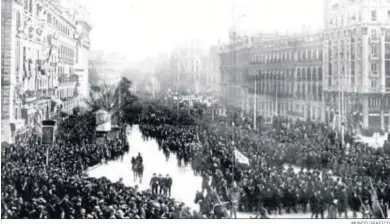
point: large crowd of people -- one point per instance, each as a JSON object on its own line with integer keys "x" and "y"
{"x": 350, "y": 176}
{"x": 331, "y": 176}
{"x": 33, "y": 189}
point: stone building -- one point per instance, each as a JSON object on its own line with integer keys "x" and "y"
{"x": 187, "y": 65}
{"x": 41, "y": 47}
{"x": 357, "y": 62}
{"x": 339, "y": 76}
{"x": 287, "y": 71}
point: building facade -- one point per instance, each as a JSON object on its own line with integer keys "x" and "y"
{"x": 357, "y": 63}
{"x": 235, "y": 68}
{"x": 40, "y": 51}
{"x": 187, "y": 65}
{"x": 339, "y": 76}
{"x": 287, "y": 72}
{"x": 213, "y": 76}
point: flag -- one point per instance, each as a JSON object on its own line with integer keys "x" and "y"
{"x": 240, "y": 157}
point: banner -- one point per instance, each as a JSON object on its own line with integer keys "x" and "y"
{"x": 105, "y": 127}
{"x": 240, "y": 157}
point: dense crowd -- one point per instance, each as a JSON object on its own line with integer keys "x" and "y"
{"x": 333, "y": 176}
{"x": 31, "y": 188}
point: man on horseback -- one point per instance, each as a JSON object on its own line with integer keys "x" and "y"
{"x": 137, "y": 167}
{"x": 139, "y": 158}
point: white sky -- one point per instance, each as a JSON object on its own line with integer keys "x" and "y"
{"x": 141, "y": 28}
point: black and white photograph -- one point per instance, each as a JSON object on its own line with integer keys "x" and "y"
{"x": 195, "y": 109}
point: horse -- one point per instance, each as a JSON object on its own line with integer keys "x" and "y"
{"x": 138, "y": 170}
{"x": 220, "y": 210}
{"x": 204, "y": 205}
{"x": 216, "y": 211}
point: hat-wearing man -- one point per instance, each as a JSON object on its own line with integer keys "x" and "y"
{"x": 234, "y": 199}
{"x": 168, "y": 185}
{"x": 154, "y": 184}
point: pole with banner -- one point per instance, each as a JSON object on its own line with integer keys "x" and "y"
{"x": 48, "y": 130}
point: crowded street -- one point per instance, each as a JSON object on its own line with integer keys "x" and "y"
{"x": 187, "y": 109}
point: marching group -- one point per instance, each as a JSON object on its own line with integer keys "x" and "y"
{"x": 35, "y": 189}
{"x": 333, "y": 177}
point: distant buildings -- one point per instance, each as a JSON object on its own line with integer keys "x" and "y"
{"x": 339, "y": 76}
{"x": 195, "y": 68}
{"x": 109, "y": 65}
{"x": 44, "y": 60}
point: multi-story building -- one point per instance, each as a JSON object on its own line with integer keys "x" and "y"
{"x": 187, "y": 65}
{"x": 235, "y": 66}
{"x": 287, "y": 72}
{"x": 212, "y": 74}
{"x": 234, "y": 58}
{"x": 40, "y": 48}
{"x": 357, "y": 62}
{"x": 339, "y": 76}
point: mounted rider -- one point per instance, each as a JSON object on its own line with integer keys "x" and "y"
{"x": 139, "y": 159}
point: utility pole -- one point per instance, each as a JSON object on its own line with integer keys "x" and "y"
{"x": 255, "y": 105}
{"x": 343, "y": 111}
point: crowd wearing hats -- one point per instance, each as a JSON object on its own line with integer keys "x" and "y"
{"x": 349, "y": 176}
{"x": 60, "y": 189}
{"x": 333, "y": 178}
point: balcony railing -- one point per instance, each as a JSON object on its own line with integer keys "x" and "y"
{"x": 374, "y": 40}
{"x": 374, "y": 57}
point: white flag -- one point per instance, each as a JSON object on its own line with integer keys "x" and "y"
{"x": 240, "y": 157}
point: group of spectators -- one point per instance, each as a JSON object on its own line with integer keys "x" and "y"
{"x": 333, "y": 176}
{"x": 33, "y": 189}
{"x": 350, "y": 176}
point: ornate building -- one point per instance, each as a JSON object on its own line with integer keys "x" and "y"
{"x": 339, "y": 76}
{"x": 41, "y": 47}
{"x": 357, "y": 62}
{"x": 287, "y": 72}
{"x": 187, "y": 65}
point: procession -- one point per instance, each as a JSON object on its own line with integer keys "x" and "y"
{"x": 238, "y": 109}
{"x": 307, "y": 171}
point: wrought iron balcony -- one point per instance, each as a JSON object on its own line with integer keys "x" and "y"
{"x": 374, "y": 57}
{"x": 374, "y": 40}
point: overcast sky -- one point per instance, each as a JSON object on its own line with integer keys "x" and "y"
{"x": 141, "y": 28}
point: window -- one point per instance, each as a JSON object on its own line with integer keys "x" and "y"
{"x": 373, "y": 83}
{"x": 37, "y": 12}
{"x": 374, "y": 68}
{"x": 374, "y": 49}
{"x": 26, "y": 5}
{"x": 17, "y": 55}
{"x": 30, "y": 7}
{"x": 373, "y": 15}
{"x": 373, "y": 33}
